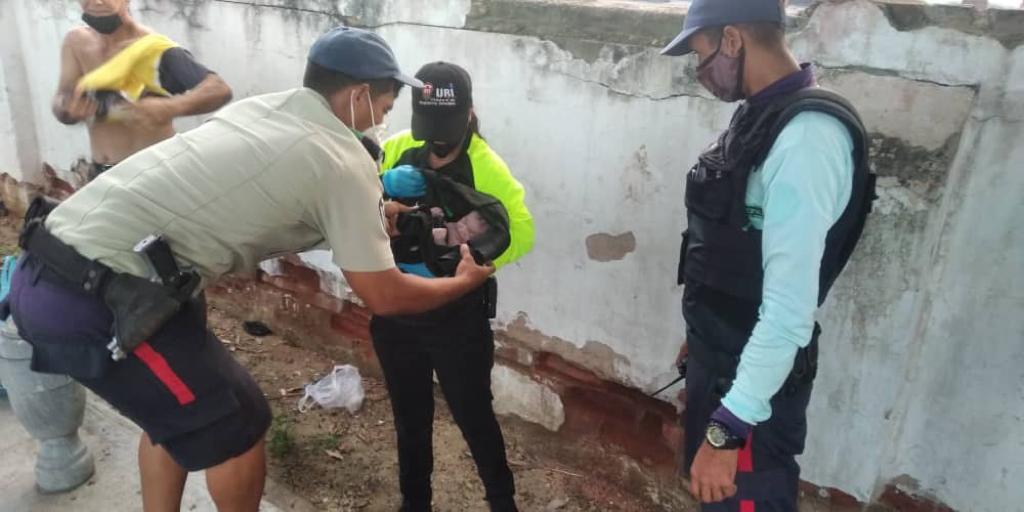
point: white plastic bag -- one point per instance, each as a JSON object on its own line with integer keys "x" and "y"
{"x": 343, "y": 387}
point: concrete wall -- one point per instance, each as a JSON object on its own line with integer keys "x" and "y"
{"x": 8, "y": 145}
{"x": 922, "y": 381}
{"x": 32, "y": 33}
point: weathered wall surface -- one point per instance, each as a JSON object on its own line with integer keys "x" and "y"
{"x": 8, "y": 145}
{"x": 32, "y": 34}
{"x": 927, "y": 325}
{"x": 922, "y": 381}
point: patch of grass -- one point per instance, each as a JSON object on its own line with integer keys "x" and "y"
{"x": 327, "y": 442}
{"x": 281, "y": 442}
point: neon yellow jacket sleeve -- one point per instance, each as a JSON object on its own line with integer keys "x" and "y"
{"x": 396, "y": 146}
{"x": 491, "y": 176}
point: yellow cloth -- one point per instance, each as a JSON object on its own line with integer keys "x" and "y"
{"x": 133, "y": 71}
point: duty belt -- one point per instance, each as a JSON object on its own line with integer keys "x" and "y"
{"x": 140, "y": 306}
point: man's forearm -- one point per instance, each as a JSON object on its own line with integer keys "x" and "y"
{"x": 390, "y": 292}
{"x": 63, "y": 116}
{"x": 764, "y": 367}
{"x": 414, "y": 294}
{"x": 211, "y": 94}
{"x": 60, "y": 111}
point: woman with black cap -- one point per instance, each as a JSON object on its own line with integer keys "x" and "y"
{"x": 456, "y": 341}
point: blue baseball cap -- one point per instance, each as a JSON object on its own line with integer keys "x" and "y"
{"x": 358, "y": 53}
{"x": 718, "y": 13}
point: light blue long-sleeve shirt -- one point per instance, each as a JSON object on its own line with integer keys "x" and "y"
{"x": 795, "y": 197}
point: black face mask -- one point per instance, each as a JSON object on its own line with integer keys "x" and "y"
{"x": 103, "y": 24}
{"x": 374, "y": 149}
{"x": 441, "y": 149}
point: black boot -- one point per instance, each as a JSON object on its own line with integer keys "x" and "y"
{"x": 504, "y": 505}
{"x": 414, "y": 506}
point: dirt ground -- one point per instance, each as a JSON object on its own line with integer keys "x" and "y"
{"x": 341, "y": 461}
{"x": 347, "y": 462}
{"x": 9, "y": 228}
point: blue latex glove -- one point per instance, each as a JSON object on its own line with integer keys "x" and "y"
{"x": 404, "y": 181}
{"x": 419, "y": 269}
{"x": 6, "y": 274}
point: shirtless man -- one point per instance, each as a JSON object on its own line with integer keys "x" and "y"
{"x": 118, "y": 128}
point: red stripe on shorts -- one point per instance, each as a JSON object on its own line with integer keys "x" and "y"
{"x": 158, "y": 365}
{"x": 745, "y": 464}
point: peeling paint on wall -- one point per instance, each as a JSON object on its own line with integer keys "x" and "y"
{"x": 516, "y": 393}
{"x": 1005, "y": 26}
{"x": 593, "y": 355}
{"x": 603, "y": 247}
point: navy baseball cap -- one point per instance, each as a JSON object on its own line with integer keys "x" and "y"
{"x": 358, "y": 53}
{"x": 718, "y": 13}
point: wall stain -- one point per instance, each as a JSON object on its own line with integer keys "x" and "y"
{"x": 604, "y": 247}
{"x": 894, "y": 157}
{"x": 903, "y": 493}
{"x": 636, "y": 181}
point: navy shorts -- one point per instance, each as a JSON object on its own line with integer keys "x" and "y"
{"x": 768, "y": 475}
{"x": 182, "y": 387}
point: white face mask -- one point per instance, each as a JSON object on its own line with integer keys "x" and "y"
{"x": 375, "y": 132}
{"x": 370, "y": 137}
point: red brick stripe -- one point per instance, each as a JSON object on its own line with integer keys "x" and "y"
{"x": 158, "y": 365}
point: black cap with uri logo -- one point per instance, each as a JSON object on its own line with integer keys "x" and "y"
{"x": 440, "y": 109}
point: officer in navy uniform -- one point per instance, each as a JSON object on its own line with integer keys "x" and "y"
{"x": 774, "y": 209}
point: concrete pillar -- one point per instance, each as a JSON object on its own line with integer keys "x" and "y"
{"x": 19, "y": 95}
{"x": 51, "y": 408}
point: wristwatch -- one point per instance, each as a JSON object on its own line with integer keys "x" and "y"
{"x": 720, "y": 438}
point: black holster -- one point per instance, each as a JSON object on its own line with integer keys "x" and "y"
{"x": 140, "y": 307}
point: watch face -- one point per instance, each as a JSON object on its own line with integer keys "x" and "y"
{"x": 716, "y": 436}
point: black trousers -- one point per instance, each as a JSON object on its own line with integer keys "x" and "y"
{"x": 767, "y": 475}
{"x": 460, "y": 349}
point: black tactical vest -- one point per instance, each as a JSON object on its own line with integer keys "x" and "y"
{"x": 720, "y": 261}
